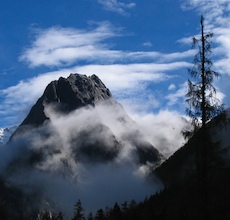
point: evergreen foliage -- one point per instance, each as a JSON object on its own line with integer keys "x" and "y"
{"x": 60, "y": 216}
{"x": 78, "y": 211}
{"x": 203, "y": 107}
{"x": 90, "y": 216}
{"x": 203, "y": 104}
{"x": 100, "y": 215}
{"x": 201, "y": 96}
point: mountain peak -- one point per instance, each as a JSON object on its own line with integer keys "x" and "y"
{"x": 87, "y": 90}
{"x": 68, "y": 94}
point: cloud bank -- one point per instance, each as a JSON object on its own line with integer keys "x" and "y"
{"x": 71, "y": 46}
{"x": 61, "y": 176}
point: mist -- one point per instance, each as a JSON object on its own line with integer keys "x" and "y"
{"x": 48, "y": 162}
{"x": 163, "y": 130}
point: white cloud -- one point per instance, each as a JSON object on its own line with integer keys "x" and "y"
{"x": 58, "y": 47}
{"x": 147, "y": 44}
{"x": 172, "y": 87}
{"x": 116, "y": 6}
{"x": 127, "y": 76}
{"x": 159, "y": 57}
{"x": 176, "y": 96}
{"x": 212, "y": 8}
{"x": 163, "y": 130}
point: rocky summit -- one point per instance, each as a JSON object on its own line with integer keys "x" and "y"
{"x": 68, "y": 94}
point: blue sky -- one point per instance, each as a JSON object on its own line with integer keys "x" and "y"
{"x": 140, "y": 49}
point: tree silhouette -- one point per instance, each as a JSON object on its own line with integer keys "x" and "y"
{"x": 203, "y": 106}
{"x": 78, "y": 211}
{"x": 90, "y": 216}
{"x": 100, "y": 215}
{"x": 201, "y": 96}
{"x": 60, "y": 216}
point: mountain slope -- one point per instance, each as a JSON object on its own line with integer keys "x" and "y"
{"x": 183, "y": 161}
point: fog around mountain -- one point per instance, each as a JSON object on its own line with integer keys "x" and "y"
{"x": 62, "y": 177}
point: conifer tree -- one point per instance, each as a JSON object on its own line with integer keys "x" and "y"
{"x": 116, "y": 212}
{"x": 203, "y": 106}
{"x": 90, "y": 216}
{"x": 60, "y": 216}
{"x": 100, "y": 215}
{"x": 201, "y": 96}
{"x": 78, "y": 211}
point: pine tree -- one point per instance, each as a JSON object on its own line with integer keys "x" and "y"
{"x": 201, "y": 96}
{"x": 78, "y": 211}
{"x": 100, "y": 215}
{"x": 124, "y": 207}
{"x": 116, "y": 212}
{"x": 60, "y": 216}
{"x": 203, "y": 106}
{"x": 90, "y": 216}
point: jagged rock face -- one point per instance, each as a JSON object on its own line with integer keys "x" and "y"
{"x": 68, "y": 94}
